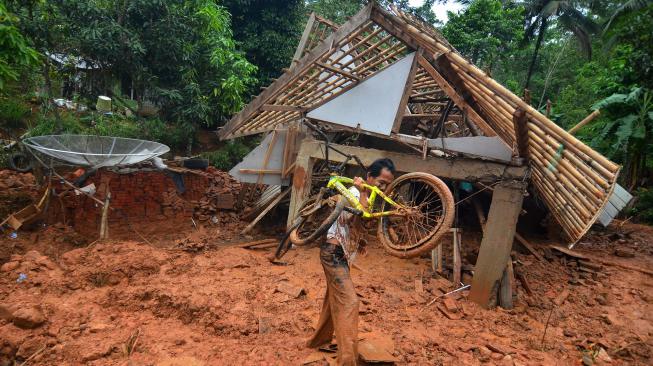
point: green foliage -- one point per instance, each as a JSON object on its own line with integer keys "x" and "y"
{"x": 179, "y": 54}
{"x": 176, "y": 135}
{"x": 15, "y": 50}
{"x": 486, "y": 31}
{"x": 626, "y": 131}
{"x": 228, "y": 156}
{"x": 47, "y": 125}
{"x": 643, "y": 208}
{"x": 339, "y": 10}
{"x": 268, "y": 32}
{"x": 13, "y": 113}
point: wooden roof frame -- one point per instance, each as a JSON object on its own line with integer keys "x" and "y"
{"x": 572, "y": 179}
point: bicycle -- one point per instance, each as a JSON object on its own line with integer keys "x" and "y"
{"x": 414, "y": 211}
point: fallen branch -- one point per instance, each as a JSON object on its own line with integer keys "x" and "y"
{"x": 33, "y": 355}
{"x": 265, "y": 243}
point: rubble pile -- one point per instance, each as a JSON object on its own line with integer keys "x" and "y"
{"x": 219, "y": 200}
{"x": 17, "y": 190}
{"x": 171, "y": 202}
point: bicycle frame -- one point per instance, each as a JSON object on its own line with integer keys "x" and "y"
{"x": 338, "y": 183}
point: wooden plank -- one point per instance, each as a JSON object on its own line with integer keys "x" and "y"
{"x": 505, "y": 289}
{"x": 406, "y": 94}
{"x": 301, "y": 184}
{"x": 457, "y": 263}
{"x": 305, "y": 35}
{"x": 457, "y": 99}
{"x": 296, "y": 70}
{"x": 260, "y": 171}
{"x": 530, "y": 247}
{"x": 497, "y": 241}
{"x": 281, "y": 108}
{"x": 473, "y": 170}
{"x": 339, "y": 71}
{"x": 272, "y": 205}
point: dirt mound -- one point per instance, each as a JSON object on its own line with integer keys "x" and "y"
{"x": 117, "y": 302}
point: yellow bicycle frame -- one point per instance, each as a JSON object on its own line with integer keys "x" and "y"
{"x": 338, "y": 183}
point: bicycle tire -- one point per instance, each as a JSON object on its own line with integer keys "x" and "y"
{"x": 431, "y": 240}
{"x": 295, "y": 235}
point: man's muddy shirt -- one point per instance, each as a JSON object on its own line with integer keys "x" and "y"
{"x": 340, "y": 230}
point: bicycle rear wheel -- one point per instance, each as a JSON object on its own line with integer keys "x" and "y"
{"x": 316, "y": 218}
{"x": 430, "y": 215}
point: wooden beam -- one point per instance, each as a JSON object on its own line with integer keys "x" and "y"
{"x": 497, "y": 241}
{"x": 338, "y": 71}
{"x": 474, "y": 170}
{"x": 301, "y": 183}
{"x": 281, "y": 108}
{"x": 296, "y": 70}
{"x": 304, "y": 40}
{"x": 457, "y": 98}
{"x": 520, "y": 121}
{"x": 406, "y": 93}
{"x": 260, "y": 171}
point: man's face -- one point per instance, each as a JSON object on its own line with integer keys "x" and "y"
{"x": 386, "y": 177}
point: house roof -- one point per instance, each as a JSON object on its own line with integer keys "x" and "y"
{"x": 571, "y": 178}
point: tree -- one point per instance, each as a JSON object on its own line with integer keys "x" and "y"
{"x": 339, "y": 10}
{"x": 485, "y": 32}
{"x": 15, "y": 51}
{"x": 268, "y": 32}
{"x": 179, "y": 54}
{"x": 540, "y": 14}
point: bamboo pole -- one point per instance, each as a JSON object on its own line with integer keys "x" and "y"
{"x": 585, "y": 121}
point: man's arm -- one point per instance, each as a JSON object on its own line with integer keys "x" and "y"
{"x": 358, "y": 183}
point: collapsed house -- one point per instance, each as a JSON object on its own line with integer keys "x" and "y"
{"x": 386, "y": 84}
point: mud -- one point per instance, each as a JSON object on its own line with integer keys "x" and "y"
{"x": 138, "y": 303}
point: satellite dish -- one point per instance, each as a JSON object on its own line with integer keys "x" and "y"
{"x": 96, "y": 151}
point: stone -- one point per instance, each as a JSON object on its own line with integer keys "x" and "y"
{"x": 569, "y": 333}
{"x": 624, "y": 253}
{"x": 485, "y": 352}
{"x": 32, "y": 256}
{"x": 507, "y": 361}
{"x": 28, "y": 317}
{"x": 587, "y": 360}
{"x": 603, "y": 356}
{"x": 601, "y": 299}
{"x": 450, "y": 305}
{"x": 9, "y": 266}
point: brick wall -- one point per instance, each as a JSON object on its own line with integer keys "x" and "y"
{"x": 135, "y": 197}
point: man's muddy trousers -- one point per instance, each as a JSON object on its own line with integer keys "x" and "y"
{"x": 340, "y": 308}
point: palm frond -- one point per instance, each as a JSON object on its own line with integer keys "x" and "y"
{"x": 611, "y": 100}
{"x": 625, "y": 8}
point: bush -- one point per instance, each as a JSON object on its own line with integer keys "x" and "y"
{"x": 13, "y": 113}
{"x": 47, "y": 125}
{"x": 175, "y": 136}
{"x": 228, "y": 156}
{"x": 644, "y": 206}
{"x": 117, "y": 126}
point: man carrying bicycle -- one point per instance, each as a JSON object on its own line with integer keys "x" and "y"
{"x": 339, "y": 312}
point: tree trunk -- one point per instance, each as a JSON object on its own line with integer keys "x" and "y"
{"x": 48, "y": 95}
{"x": 540, "y": 37}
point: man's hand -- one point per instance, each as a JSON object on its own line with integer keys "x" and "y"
{"x": 358, "y": 183}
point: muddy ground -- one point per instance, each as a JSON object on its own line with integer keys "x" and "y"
{"x": 132, "y": 302}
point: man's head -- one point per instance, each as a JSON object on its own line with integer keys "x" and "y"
{"x": 381, "y": 173}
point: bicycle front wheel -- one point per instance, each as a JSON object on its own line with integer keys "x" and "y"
{"x": 430, "y": 213}
{"x": 315, "y": 219}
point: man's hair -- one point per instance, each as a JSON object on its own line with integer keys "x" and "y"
{"x": 377, "y": 166}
